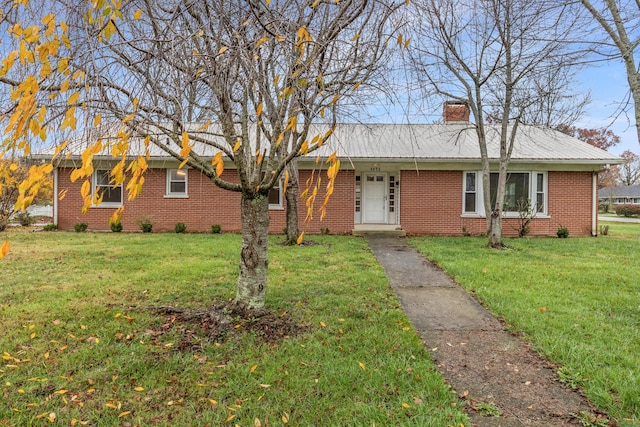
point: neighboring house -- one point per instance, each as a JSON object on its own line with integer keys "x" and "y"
{"x": 422, "y": 179}
{"x": 622, "y": 195}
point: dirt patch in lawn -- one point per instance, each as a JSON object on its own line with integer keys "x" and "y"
{"x": 219, "y": 323}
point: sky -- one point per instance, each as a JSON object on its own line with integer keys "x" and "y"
{"x": 609, "y": 88}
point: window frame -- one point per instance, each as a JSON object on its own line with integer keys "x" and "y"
{"x": 280, "y": 205}
{"x": 479, "y": 210}
{"x": 177, "y": 195}
{"x": 533, "y": 192}
{"x": 95, "y": 186}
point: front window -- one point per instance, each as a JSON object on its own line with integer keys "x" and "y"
{"x": 177, "y": 182}
{"x": 470, "y": 192}
{"x": 275, "y": 196}
{"x": 111, "y": 195}
{"x": 516, "y": 191}
{"x": 523, "y": 191}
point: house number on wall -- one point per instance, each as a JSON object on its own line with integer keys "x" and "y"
{"x": 375, "y": 169}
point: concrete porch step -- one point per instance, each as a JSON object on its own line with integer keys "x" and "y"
{"x": 386, "y": 229}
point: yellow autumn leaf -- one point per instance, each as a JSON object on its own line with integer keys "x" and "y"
{"x": 257, "y": 423}
{"x": 222, "y": 50}
{"x": 237, "y": 146}
{"x": 253, "y": 368}
{"x": 139, "y": 388}
{"x": 285, "y": 418}
{"x": 85, "y": 189}
{"x": 73, "y": 98}
{"x": 97, "y": 119}
{"x": 324, "y": 325}
{"x": 59, "y": 392}
{"x": 229, "y": 418}
{"x": 361, "y": 365}
{"x": 214, "y": 403}
{"x": 137, "y": 14}
{"x": 124, "y": 414}
{"x": 186, "y": 148}
{"x": 300, "y": 237}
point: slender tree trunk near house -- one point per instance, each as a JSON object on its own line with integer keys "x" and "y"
{"x": 495, "y": 230}
{"x": 254, "y": 258}
{"x": 292, "y": 192}
{"x": 494, "y": 215}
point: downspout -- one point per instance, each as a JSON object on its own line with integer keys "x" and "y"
{"x": 594, "y": 208}
{"x": 55, "y": 196}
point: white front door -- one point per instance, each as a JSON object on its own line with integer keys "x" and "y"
{"x": 374, "y": 206}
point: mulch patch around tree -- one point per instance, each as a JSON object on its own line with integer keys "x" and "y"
{"x": 219, "y": 323}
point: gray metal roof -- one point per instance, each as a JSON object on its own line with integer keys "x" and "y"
{"x": 451, "y": 142}
{"x": 631, "y": 191}
{"x": 459, "y": 141}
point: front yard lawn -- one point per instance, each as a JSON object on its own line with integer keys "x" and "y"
{"x": 577, "y": 300}
{"x": 83, "y": 342}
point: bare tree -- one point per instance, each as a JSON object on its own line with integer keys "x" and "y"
{"x": 619, "y": 20}
{"x": 495, "y": 55}
{"x": 219, "y": 83}
{"x": 630, "y": 169}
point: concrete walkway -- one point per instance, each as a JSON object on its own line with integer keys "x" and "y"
{"x": 481, "y": 361}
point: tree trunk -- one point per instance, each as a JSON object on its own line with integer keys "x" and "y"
{"x": 293, "y": 227}
{"x": 495, "y": 230}
{"x": 254, "y": 258}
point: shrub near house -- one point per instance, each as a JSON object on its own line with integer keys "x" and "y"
{"x": 628, "y": 210}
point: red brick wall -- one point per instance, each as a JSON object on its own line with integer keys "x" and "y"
{"x": 432, "y": 204}
{"x": 206, "y": 205}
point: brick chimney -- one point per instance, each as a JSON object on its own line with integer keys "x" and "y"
{"x": 456, "y": 111}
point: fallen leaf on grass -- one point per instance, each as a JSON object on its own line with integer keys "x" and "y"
{"x": 124, "y": 414}
{"x": 361, "y": 365}
{"x": 4, "y": 250}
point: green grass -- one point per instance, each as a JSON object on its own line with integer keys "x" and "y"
{"x": 577, "y": 300}
{"x": 77, "y": 340}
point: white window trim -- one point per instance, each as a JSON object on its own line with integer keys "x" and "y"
{"x": 168, "y": 194}
{"x": 280, "y": 205}
{"x": 480, "y": 194}
{"x": 479, "y": 212}
{"x": 94, "y": 187}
